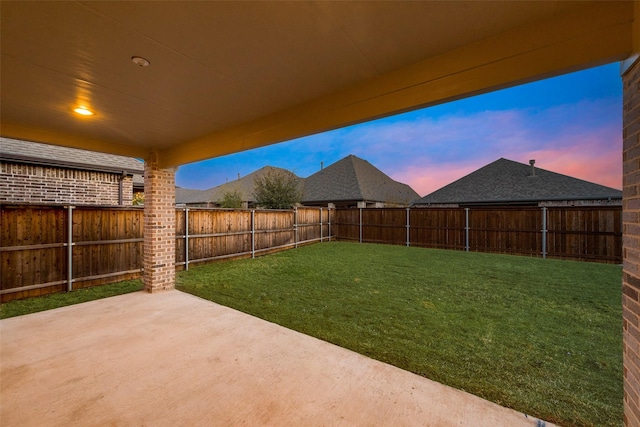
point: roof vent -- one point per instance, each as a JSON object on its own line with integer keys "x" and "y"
{"x": 533, "y": 168}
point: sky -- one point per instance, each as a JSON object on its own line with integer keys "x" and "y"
{"x": 571, "y": 124}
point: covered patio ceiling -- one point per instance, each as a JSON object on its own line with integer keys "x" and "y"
{"x": 230, "y": 76}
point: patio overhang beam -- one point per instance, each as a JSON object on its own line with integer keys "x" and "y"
{"x": 594, "y": 35}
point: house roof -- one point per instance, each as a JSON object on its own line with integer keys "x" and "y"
{"x": 14, "y": 150}
{"x": 353, "y": 178}
{"x": 185, "y": 195}
{"x": 244, "y": 186}
{"x": 507, "y": 181}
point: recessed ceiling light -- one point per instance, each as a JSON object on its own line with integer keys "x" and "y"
{"x": 138, "y": 60}
{"x": 83, "y": 111}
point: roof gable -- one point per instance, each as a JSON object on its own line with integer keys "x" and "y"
{"x": 353, "y": 178}
{"x": 505, "y": 181}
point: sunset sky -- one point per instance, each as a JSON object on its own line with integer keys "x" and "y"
{"x": 570, "y": 124}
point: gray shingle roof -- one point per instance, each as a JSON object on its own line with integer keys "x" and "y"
{"x": 353, "y": 178}
{"x": 244, "y": 186}
{"x": 185, "y": 195}
{"x": 72, "y": 158}
{"x": 505, "y": 181}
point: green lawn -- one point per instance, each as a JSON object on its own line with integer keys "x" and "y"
{"x": 541, "y": 336}
{"x": 48, "y": 302}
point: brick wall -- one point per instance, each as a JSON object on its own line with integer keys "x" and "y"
{"x": 631, "y": 244}
{"x": 43, "y": 184}
{"x": 548, "y": 204}
{"x": 159, "y": 227}
{"x": 580, "y": 203}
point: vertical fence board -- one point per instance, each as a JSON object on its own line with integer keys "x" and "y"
{"x": 586, "y": 233}
{"x": 94, "y": 255}
{"x": 274, "y": 229}
{"x": 515, "y": 231}
{"x": 437, "y": 228}
{"x": 180, "y": 241}
{"x": 384, "y": 225}
{"x": 347, "y": 224}
{"x": 25, "y": 226}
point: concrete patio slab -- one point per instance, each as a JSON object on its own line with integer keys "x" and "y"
{"x": 172, "y": 359}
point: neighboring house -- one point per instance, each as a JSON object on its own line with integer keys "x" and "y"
{"x": 213, "y": 196}
{"x": 505, "y": 182}
{"x": 40, "y": 173}
{"x": 350, "y": 182}
{"x": 189, "y": 197}
{"x": 354, "y": 182}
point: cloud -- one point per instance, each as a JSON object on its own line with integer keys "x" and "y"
{"x": 430, "y": 148}
{"x": 581, "y": 139}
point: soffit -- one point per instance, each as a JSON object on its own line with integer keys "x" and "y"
{"x": 228, "y": 76}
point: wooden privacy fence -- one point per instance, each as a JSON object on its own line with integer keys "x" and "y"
{"x": 577, "y": 233}
{"x": 208, "y": 234}
{"x": 49, "y": 249}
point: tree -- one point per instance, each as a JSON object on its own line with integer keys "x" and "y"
{"x": 138, "y": 199}
{"x": 231, "y": 199}
{"x": 277, "y": 189}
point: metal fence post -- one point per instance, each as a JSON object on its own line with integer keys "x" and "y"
{"x": 253, "y": 233}
{"x": 295, "y": 226}
{"x": 186, "y": 239}
{"x": 70, "y": 248}
{"x": 544, "y": 232}
{"x": 466, "y": 230}
{"x": 320, "y": 225}
{"x": 408, "y": 238}
{"x": 329, "y": 220}
{"x": 360, "y": 225}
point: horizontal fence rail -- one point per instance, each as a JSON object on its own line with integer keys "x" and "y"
{"x": 575, "y": 233}
{"x": 48, "y": 249}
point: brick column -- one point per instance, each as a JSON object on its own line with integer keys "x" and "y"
{"x": 631, "y": 243}
{"x": 159, "y": 227}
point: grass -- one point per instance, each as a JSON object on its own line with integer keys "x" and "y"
{"x": 541, "y": 336}
{"x": 48, "y": 302}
